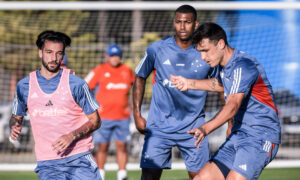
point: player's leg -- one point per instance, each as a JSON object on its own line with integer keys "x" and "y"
{"x": 122, "y": 135}
{"x": 193, "y": 157}
{"x": 121, "y": 159}
{"x": 101, "y": 154}
{"x": 210, "y": 171}
{"x": 102, "y": 137}
{"x": 156, "y": 156}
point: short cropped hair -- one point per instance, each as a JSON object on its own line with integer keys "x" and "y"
{"x": 187, "y": 9}
{"x": 211, "y": 31}
{"x": 53, "y": 36}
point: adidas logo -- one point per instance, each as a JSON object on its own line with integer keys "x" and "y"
{"x": 243, "y": 167}
{"x": 49, "y": 103}
{"x": 167, "y": 62}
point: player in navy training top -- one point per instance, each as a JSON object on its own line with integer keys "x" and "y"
{"x": 255, "y": 135}
{"x": 171, "y": 113}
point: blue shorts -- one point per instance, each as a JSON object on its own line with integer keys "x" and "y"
{"x": 157, "y": 153}
{"x": 245, "y": 154}
{"x": 112, "y": 130}
{"x": 83, "y": 167}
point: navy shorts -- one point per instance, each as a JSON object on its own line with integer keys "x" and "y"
{"x": 245, "y": 154}
{"x": 112, "y": 130}
{"x": 156, "y": 153}
{"x": 80, "y": 168}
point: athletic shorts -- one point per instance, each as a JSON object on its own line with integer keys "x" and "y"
{"x": 245, "y": 154}
{"x": 112, "y": 130}
{"x": 80, "y": 168}
{"x": 156, "y": 153}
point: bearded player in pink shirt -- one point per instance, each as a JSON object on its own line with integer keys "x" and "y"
{"x": 63, "y": 114}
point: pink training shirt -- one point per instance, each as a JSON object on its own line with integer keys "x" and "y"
{"x": 53, "y": 115}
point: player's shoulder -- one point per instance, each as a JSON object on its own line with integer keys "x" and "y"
{"x": 160, "y": 43}
{"x": 243, "y": 59}
{"x": 23, "y": 82}
{"x": 76, "y": 80}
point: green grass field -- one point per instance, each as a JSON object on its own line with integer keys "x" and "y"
{"x": 268, "y": 174}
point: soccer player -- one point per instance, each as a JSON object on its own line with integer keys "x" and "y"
{"x": 255, "y": 136}
{"x": 112, "y": 81}
{"x": 171, "y": 113}
{"x": 63, "y": 114}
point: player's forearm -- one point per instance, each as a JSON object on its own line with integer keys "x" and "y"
{"x": 205, "y": 85}
{"x": 226, "y": 114}
{"x": 138, "y": 95}
{"x": 87, "y": 128}
{"x": 15, "y": 119}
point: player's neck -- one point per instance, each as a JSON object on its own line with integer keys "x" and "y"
{"x": 47, "y": 74}
{"x": 183, "y": 44}
{"x": 228, "y": 52}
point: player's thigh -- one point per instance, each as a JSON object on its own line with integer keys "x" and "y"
{"x": 104, "y": 134}
{"x": 224, "y": 157}
{"x": 209, "y": 171}
{"x": 121, "y": 130}
{"x": 121, "y": 146}
{"x": 252, "y": 156}
{"x": 194, "y": 158}
{"x": 156, "y": 152}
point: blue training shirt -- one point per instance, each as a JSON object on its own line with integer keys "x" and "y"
{"x": 172, "y": 113}
{"x": 80, "y": 92}
{"x": 257, "y": 115}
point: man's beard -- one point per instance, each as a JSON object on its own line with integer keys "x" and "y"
{"x": 47, "y": 67}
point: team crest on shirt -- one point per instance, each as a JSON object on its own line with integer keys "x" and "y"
{"x": 196, "y": 65}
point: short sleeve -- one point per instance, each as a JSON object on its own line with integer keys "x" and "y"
{"x": 20, "y": 99}
{"x": 83, "y": 95}
{"x": 92, "y": 79}
{"x": 146, "y": 65}
{"x": 244, "y": 74}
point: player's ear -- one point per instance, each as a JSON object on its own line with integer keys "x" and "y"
{"x": 40, "y": 53}
{"x": 196, "y": 24}
{"x": 221, "y": 44}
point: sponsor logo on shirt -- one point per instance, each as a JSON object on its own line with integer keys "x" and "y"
{"x": 167, "y": 62}
{"x": 182, "y": 65}
{"x": 167, "y": 82}
{"x": 49, "y": 112}
{"x": 116, "y": 86}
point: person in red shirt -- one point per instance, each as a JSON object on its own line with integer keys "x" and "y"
{"x": 112, "y": 82}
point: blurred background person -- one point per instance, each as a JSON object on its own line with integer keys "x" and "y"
{"x": 64, "y": 62}
{"x": 112, "y": 82}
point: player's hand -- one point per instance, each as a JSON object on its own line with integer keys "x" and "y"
{"x": 63, "y": 142}
{"x": 140, "y": 124}
{"x": 199, "y": 135}
{"x": 15, "y": 131}
{"x": 179, "y": 82}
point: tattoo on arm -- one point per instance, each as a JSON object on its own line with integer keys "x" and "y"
{"x": 84, "y": 130}
{"x": 88, "y": 127}
{"x": 13, "y": 120}
{"x": 193, "y": 84}
{"x": 213, "y": 83}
